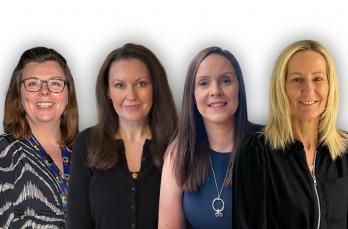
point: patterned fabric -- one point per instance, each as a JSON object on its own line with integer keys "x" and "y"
{"x": 30, "y": 196}
{"x": 53, "y": 168}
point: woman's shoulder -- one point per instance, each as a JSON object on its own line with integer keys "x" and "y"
{"x": 9, "y": 148}
{"x": 82, "y": 142}
{"x": 85, "y": 134}
{"x": 254, "y": 145}
{"x": 83, "y": 137}
{"x": 254, "y": 127}
{"x": 343, "y": 134}
{"x": 254, "y": 139}
{"x": 7, "y": 140}
{"x": 171, "y": 150}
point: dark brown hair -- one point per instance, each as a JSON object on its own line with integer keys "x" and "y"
{"x": 191, "y": 160}
{"x": 15, "y": 122}
{"x": 103, "y": 152}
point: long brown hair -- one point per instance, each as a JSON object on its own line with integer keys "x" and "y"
{"x": 191, "y": 147}
{"x": 103, "y": 152}
{"x": 15, "y": 122}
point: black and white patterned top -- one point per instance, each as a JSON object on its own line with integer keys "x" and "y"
{"x": 29, "y": 194}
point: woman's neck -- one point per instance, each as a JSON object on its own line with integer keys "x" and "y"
{"x": 221, "y": 136}
{"x": 307, "y": 133}
{"x": 46, "y": 133}
{"x": 133, "y": 131}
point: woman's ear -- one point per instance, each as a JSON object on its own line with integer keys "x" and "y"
{"x": 108, "y": 94}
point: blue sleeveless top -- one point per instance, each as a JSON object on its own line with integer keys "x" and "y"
{"x": 197, "y": 205}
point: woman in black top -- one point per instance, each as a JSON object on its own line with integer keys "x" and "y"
{"x": 116, "y": 166}
{"x": 295, "y": 174}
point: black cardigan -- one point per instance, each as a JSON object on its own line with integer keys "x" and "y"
{"x": 111, "y": 198}
{"x": 275, "y": 189}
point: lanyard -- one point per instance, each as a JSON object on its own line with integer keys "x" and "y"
{"x": 54, "y": 170}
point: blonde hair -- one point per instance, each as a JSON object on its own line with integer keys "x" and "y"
{"x": 278, "y": 132}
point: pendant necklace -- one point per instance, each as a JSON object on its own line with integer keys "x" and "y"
{"x": 218, "y": 210}
{"x": 134, "y": 175}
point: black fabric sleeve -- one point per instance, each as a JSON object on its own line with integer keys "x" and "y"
{"x": 253, "y": 128}
{"x": 79, "y": 211}
{"x": 249, "y": 185}
{"x": 7, "y": 167}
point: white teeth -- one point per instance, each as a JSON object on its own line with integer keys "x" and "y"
{"x": 44, "y": 104}
{"x": 307, "y": 102}
{"x": 217, "y": 105}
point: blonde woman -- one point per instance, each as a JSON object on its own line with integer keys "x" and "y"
{"x": 294, "y": 175}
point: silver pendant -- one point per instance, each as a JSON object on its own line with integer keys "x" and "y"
{"x": 218, "y": 211}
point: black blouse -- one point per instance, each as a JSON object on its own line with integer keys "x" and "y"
{"x": 111, "y": 198}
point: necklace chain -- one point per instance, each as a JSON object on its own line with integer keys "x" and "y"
{"x": 218, "y": 210}
{"x": 223, "y": 184}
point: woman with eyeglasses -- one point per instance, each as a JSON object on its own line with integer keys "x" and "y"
{"x": 40, "y": 123}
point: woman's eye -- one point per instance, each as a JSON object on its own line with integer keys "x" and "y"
{"x": 31, "y": 84}
{"x": 226, "y": 81}
{"x": 119, "y": 85}
{"x": 56, "y": 83}
{"x": 297, "y": 80}
{"x": 203, "y": 83}
{"x": 141, "y": 84}
{"x": 318, "y": 78}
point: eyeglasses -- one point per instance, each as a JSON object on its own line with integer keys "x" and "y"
{"x": 55, "y": 85}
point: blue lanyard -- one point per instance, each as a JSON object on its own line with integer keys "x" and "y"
{"x": 54, "y": 170}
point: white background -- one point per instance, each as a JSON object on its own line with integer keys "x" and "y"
{"x": 255, "y": 31}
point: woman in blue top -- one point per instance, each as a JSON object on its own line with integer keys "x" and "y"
{"x": 196, "y": 186}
